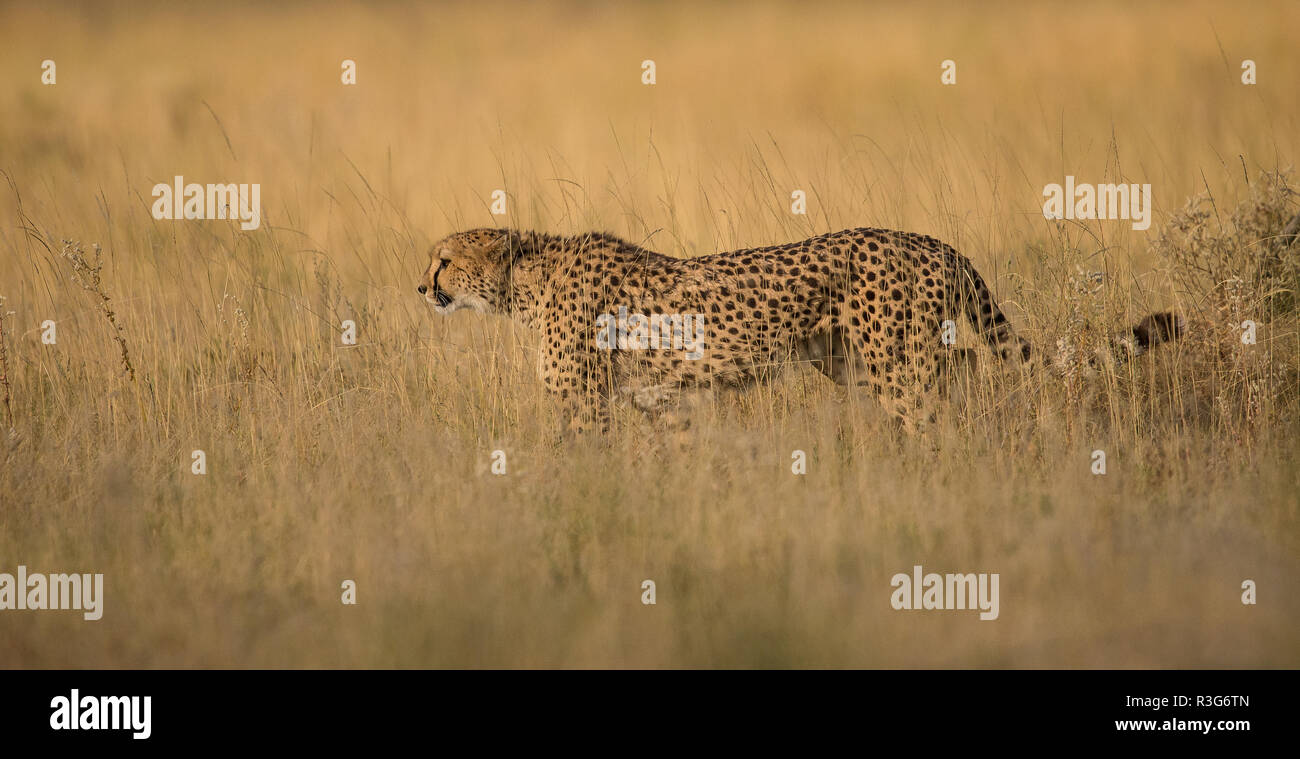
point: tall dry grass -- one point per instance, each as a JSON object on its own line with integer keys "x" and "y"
{"x": 371, "y": 462}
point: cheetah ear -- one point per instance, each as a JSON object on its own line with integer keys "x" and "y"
{"x": 511, "y": 246}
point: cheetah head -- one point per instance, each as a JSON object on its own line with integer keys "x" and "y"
{"x": 469, "y": 270}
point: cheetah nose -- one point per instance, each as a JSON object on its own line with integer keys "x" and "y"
{"x": 422, "y": 289}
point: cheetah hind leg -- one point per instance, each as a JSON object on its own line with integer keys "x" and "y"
{"x": 903, "y": 375}
{"x": 906, "y": 384}
{"x": 955, "y": 375}
{"x": 913, "y": 403}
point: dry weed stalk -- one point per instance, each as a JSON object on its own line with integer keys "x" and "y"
{"x": 4, "y": 366}
{"x": 86, "y": 274}
{"x": 247, "y": 359}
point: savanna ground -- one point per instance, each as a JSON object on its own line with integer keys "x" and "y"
{"x": 372, "y": 462}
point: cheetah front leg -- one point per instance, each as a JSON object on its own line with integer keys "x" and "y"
{"x": 652, "y": 399}
{"x": 570, "y": 376}
{"x": 672, "y": 410}
{"x": 669, "y": 404}
{"x": 582, "y": 415}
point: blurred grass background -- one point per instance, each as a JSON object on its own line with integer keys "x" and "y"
{"x": 372, "y": 462}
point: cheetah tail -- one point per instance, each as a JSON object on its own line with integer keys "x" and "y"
{"x": 1153, "y": 330}
{"x": 976, "y": 302}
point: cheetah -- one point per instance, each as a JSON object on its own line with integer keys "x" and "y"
{"x": 864, "y": 306}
